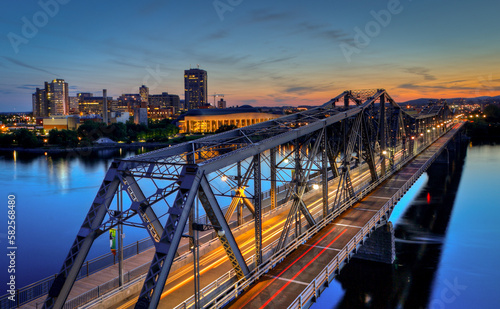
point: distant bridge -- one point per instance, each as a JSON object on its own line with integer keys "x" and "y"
{"x": 337, "y": 152}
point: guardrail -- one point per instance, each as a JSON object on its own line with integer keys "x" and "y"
{"x": 237, "y": 287}
{"x": 312, "y": 291}
{"x": 39, "y": 288}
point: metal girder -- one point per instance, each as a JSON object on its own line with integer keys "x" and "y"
{"x": 216, "y": 217}
{"x": 142, "y": 207}
{"x": 368, "y": 149}
{"x": 273, "y": 192}
{"x": 89, "y": 231}
{"x": 166, "y": 248}
{"x": 258, "y": 209}
{"x": 382, "y": 132}
{"x": 324, "y": 172}
{"x": 240, "y": 196}
{"x": 300, "y": 186}
{"x": 185, "y": 164}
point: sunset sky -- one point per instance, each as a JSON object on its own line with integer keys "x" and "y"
{"x": 263, "y": 53}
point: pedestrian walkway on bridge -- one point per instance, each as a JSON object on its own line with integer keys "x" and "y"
{"x": 304, "y": 274}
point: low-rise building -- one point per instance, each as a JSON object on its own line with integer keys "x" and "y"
{"x": 209, "y": 120}
{"x": 61, "y": 123}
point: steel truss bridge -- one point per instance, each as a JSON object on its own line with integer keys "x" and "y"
{"x": 303, "y": 151}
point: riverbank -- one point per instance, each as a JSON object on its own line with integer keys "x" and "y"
{"x": 93, "y": 147}
{"x": 55, "y": 150}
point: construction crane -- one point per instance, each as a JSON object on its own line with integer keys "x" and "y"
{"x": 215, "y": 95}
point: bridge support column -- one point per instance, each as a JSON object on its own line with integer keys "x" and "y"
{"x": 380, "y": 246}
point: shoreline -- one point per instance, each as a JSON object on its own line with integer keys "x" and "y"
{"x": 83, "y": 149}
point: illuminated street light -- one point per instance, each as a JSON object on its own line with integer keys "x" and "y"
{"x": 315, "y": 186}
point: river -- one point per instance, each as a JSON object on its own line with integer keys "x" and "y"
{"x": 449, "y": 265}
{"x": 447, "y": 231}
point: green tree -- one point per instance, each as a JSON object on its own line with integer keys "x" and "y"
{"x": 492, "y": 113}
{"x": 26, "y": 138}
{"x": 6, "y": 140}
{"x": 225, "y": 127}
{"x": 66, "y": 138}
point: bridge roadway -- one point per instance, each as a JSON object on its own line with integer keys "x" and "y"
{"x": 179, "y": 285}
{"x": 214, "y": 264}
{"x": 281, "y": 286}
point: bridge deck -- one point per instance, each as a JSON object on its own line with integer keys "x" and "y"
{"x": 281, "y": 286}
{"x": 346, "y": 226}
{"x": 87, "y": 284}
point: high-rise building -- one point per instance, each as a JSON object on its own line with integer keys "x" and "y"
{"x": 164, "y": 100}
{"x": 127, "y": 102}
{"x": 90, "y": 105}
{"x": 73, "y": 105}
{"x": 195, "y": 88}
{"x": 40, "y": 108}
{"x": 144, "y": 92}
{"x": 58, "y": 97}
{"x": 221, "y": 103}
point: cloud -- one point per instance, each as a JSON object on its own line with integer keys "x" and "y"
{"x": 251, "y": 101}
{"x": 214, "y": 58}
{"x": 29, "y": 86}
{"x": 127, "y": 63}
{"x": 324, "y": 31}
{"x": 152, "y": 7}
{"x": 421, "y": 71}
{"x": 435, "y": 87}
{"x": 303, "y": 90}
{"x": 217, "y": 35}
{"x": 264, "y": 15}
{"x": 28, "y": 66}
{"x": 268, "y": 61}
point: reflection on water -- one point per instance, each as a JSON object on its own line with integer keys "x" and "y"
{"x": 53, "y": 194}
{"x": 436, "y": 266}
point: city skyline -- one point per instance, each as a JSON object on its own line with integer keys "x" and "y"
{"x": 286, "y": 53}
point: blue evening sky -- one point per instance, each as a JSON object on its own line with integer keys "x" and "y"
{"x": 256, "y": 52}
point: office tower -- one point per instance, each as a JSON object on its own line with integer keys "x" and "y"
{"x": 221, "y": 103}
{"x": 195, "y": 88}
{"x": 40, "y": 108}
{"x": 144, "y": 92}
{"x": 164, "y": 100}
{"x": 105, "y": 106}
{"x": 58, "y": 97}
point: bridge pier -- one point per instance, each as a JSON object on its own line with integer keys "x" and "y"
{"x": 380, "y": 246}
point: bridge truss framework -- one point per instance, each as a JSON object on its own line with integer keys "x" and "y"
{"x": 301, "y": 151}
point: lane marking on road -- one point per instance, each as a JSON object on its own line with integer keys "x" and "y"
{"x": 320, "y": 247}
{"x": 302, "y": 269}
{"x": 348, "y": 225}
{"x": 381, "y": 197}
{"x": 289, "y": 280}
{"x": 365, "y": 209}
{"x": 283, "y": 271}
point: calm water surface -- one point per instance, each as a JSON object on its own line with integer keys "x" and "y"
{"x": 53, "y": 195}
{"x": 451, "y": 263}
{"x": 447, "y": 244}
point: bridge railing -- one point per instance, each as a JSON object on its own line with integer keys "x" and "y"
{"x": 270, "y": 260}
{"x": 312, "y": 291}
{"x": 40, "y": 288}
